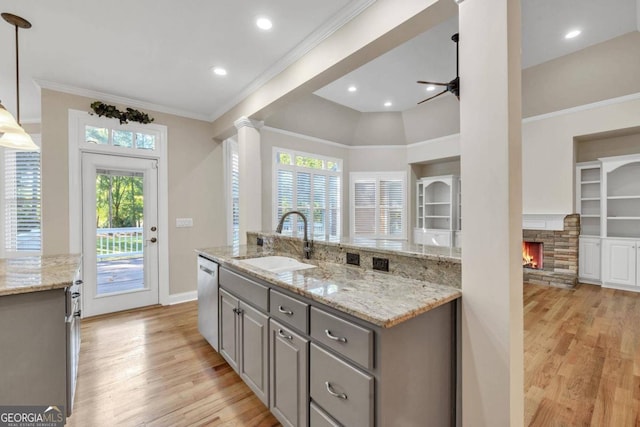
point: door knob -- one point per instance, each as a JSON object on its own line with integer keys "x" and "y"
{"x": 153, "y": 240}
{"x": 153, "y": 228}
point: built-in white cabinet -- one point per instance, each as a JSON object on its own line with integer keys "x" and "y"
{"x": 589, "y": 259}
{"x": 620, "y": 262}
{"x": 437, "y": 211}
{"x": 608, "y": 200}
{"x": 588, "y": 197}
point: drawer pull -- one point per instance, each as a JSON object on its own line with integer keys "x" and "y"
{"x": 333, "y": 393}
{"x": 333, "y": 337}
{"x": 284, "y": 311}
{"x": 283, "y": 335}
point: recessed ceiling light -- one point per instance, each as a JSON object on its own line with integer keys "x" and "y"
{"x": 431, "y": 88}
{"x": 219, "y": 71}
{"x": 264, "y": 23}
{"x": 572, "y": 34}
{"x": 388, "y": 104}
{"x": 352, "y": 89}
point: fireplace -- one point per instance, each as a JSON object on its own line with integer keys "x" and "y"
{"x": 550, "y": 250}
{"x": 533, "y": 255}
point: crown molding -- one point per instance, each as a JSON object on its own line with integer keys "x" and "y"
{"x": 584, "y": 107}
{"x": 102, "y": 96}
{"x": 307, "y": 137}
{"x": 340, "y": 19}
{"x": 445, "y": 138}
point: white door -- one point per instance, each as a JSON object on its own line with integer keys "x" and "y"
{"x": 119, "y": 237}
{"x": 619, "y": 262}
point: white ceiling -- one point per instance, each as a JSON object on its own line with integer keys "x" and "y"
{"x": 160, "y": 52}
{"x": 431, "y": 56}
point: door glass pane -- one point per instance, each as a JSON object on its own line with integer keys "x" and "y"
{"x": 145, "y": 141}
{"x": 96, "y": 135}
{"x": 123, "y": 138}
{"x": 119, "y": 235}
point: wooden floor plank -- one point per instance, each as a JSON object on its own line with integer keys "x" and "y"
{"x": 152, "y": 367}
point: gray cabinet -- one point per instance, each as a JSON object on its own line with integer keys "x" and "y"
{"x": 317, "y": 366}
{"x": 244, "y": 342}
{"x": 254, "y": 350}
{"x": 345, "y": 392}
{"x": 229, "y": 328}
{"x": 288, "y": 375}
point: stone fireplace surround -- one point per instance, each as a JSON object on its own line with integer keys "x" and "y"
{"x": 560, "y": 253}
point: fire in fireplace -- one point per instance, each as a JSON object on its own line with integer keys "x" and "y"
{"x": 532, "y": 255}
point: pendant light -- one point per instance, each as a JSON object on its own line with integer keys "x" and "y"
{"x": 12, "y": 135}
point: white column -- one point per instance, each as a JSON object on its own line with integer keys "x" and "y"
{"x": 491, "y": 158}
{"x": 250, "y": 185}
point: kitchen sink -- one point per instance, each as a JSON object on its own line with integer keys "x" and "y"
{"x": 276, "y": 264}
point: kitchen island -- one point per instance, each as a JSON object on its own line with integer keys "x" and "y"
{"x": 339, "y": 344}
{"x": 39, "y": 330}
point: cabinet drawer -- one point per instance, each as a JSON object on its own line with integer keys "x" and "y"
{"x": 244, "y": 288}
{"x": 319, "y": 418}
{"x": 344, "y": 391}
{"x": 345, "y": 337}
{"x": 289, "y": 310}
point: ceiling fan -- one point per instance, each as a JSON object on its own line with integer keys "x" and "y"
{"x": 453, "y": 86}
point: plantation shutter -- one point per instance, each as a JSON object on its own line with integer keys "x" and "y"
{"x": 378, "y": 202}
{"x": 391, "y": 208}
{"x": 333, "y": 216}
{"x": 365, "y": 208}
{"x": 22, "y": 201}
{"x": 235, "y": 196}
{"x": 284, "y": 196}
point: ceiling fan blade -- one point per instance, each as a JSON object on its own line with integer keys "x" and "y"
{"x": 434, "y": 96}
{"x": 432, "y": 83}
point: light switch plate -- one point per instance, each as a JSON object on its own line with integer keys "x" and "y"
{"x": 184, "y": 222}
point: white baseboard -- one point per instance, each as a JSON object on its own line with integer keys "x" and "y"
{"x": 183, "y": 297}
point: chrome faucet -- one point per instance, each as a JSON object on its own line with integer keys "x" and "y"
{"x": 306, "y": 248}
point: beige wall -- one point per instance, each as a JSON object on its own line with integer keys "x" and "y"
{"x": 603, "y": 71}
{"x": 441, "y": 167}
{"x": 433, "y": 119}
{"x": 593, "y": 149}
{"x": 379, "y": 129}
{"x": 313, "y": 115}
{"x": 195, "y": 185}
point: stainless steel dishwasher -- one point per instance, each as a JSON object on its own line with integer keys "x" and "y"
{"x": 208, "y": 300}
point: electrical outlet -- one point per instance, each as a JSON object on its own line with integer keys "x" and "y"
{"x": 184, "y": 222}
{"x": 260, "y": 241}
{"x": 381, "y": 264}
{"x": 353, "y": 259}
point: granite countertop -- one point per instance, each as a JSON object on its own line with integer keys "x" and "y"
{"x": 37, "y": 273}
{"x": 379, "y": 298}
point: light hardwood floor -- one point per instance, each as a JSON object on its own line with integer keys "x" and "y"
{"x": 581, "y": 357}
{"x": 151, "y": 367}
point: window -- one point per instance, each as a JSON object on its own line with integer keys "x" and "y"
{"x": 21, "y": 197}
{"x": 119, "y": 137}
{"x": 312, "y": 185}
{"x": 378, "y": 205}
{"x": 232, "y": 166}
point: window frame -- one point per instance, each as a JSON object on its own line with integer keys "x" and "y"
{"x": 377, "y": 177}
{"x": 325, "y": 172}
{"x": 4, "y": 253}
{"x": 230, "y": 148}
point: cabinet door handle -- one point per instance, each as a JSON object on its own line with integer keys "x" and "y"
{"x": 285, "y": 311}
{"x": 333, "y": 393}
{"x": 333, "y": 337}
{"x": 283, "y": 335}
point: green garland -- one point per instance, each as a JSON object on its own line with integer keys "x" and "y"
{"x": 102, "y": 109}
